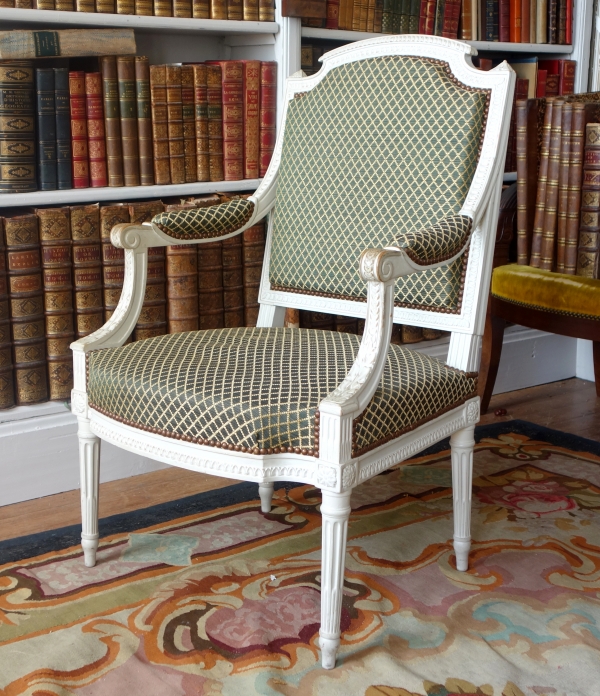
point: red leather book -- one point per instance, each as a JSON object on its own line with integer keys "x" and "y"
{"x": 268, "y": 113}
{"x": 422, "y": 16}
{"x": 541, "y": 84}
{"x": 95, "y": 129}
{"x": 526, "y": 21}
{"x": 565, "y": 69}
{"x": 251, "y": 92}
{"x": 430, "y": 17}
{"x": 79, "y": 137}
{"x": 451, "y": 18}
{"x": 510, "y": 21}
{"x": 333, "y": 14}
{"x": 569, "y": 24}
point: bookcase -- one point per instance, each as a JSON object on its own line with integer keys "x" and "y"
{"x": 38, "y": 443}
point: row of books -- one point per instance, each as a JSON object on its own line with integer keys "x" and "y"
{"x": 61, "y": 279}
{"x": 133, "y": 124}
{"x": 250, "y": 10}
{"x": 514, "y": 21}
{"x": 558, "y": 183}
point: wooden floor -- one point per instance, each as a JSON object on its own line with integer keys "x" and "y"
{"x": 571, "y": 406}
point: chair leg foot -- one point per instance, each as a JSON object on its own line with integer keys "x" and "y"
{"x": 462, "y": 444}
{"x": 335, "y": 510}
{"x": 265, "y": 491}
{"x": 89, "y": 478}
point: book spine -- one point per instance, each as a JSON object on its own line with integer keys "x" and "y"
{"x": 7, "y": 385}
{"x": 439, "y": 17}
{"x": 233, "y": 282}
{"x": 552, "y": 21}
{"x": 413, "y": 16}
{"x": 85, "y": 6}
{"x": 266, "y": 10}
{"x": 210, "y": 285}
{"x": 574, "y": 187}
{"x": 378, "y": 19}
{"x": 550, "y": 212}
{"x": 126, "y": 7}
{"x": 588, "y": 252}
{"x": 17, "y": 127}
{"x": 182, "y": 288}
{"x": 510, "y": 21}
{"x": 346, "y": 324}
{"x": 233, "y": 119}
{"x": 404, "y": 15}
{"x": 563, "y": 187}
{"x": 569, "y": 24}
{"x": 102, "y": 6}
{"x": 55, "y": 237}
{"x": 430, "y": 17}
{"x": 250, "y": 10}
{"x": 182, "y": 8}
{"x": 26, "y": 293}
{"x": 268, "y": 113}
{"x": 566, "y": 78}
{"x": 112, "y": 120}
{"x": 189, "y": 123}
{"x": 333, "y": 13}
{"x": 451, "y": 18}
{"x": 492, "y": 20}
{"x": 526, "y": 144}
{"x": 160, "y": 127}
{"x": 79, "y": 136}
{"x": 22, "y": 4}
{"x": 201, "y": 9}
{"x": 215, "y": 121}
{"x": 175, "y": 124}
{"x": 143, "y": 8}
{"x": 113, "y": 258}
{"x": 235, "y": 9}
{"x": 62, "y": 110}
{"x": 562, "y": 21}
{"x": 525, "y": 21}
{"x": 87, "y": 268}
{"x": 388, "y": 17}
{"x": 144, "y": 120}
{"x": 163, "y": 8}
{"x": 540, "y": 201}
{"x": 218, "y": 9}
{"x": 128, "y": 114}
{"x": 95, "y": 129}
{"x": 251, "y": 118}
{"x": 46, "y": 129}
{"x": 201, "y": 119}
{"x": 253, "y": 243}
{"x": 540, "y": 89}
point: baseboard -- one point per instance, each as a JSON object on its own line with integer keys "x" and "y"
{"x": 38, "y": 444}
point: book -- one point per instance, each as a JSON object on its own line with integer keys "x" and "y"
{"x": 588, "y": 251}
{"x": 253, "y": 245}
{"x": 378, "y": 18}
{"x": 126, "y": 7}
{"x": 113, "y": 258}
{"x": 55, "y": 238}
{"x": 430, "y": 17}
{"x": 87, "y": 268}
{"x": 62, "y": 110}
{"x": 210, "y": 285}
{"x": 17, "y": 128}
{"x": 411, "y": 334}
{"x": 235, "y": 9}
{"x": 388, "y": 17}
{"x": 510, "y": 20}
{"x": 541, "y": 83}
{"x": 540, "y": 202}
{"x": 440, "y": 9}
{"x": 60, "y": 5}
{"x": 551, "y": 203}
{"x": 552, "y": 21}
{"x": 525, "y": 21}
{"x": 232, "y": 98}
{"x": 215, "y": 121}
{"x": 292, "y": 318}
{"x": 251, "y": 117}
{"x": 160, "y": 129}
{"x": 233, "y": 282}
{"x": 46, "y": 129}
{"x": 20, "y": 44}
{"x": 79, "y": 135}
{"x": 268, "y": 113}
{"x": 565, "y": 69}
{"x": 144, "y": 120}
{"x": 541, "y": 22}
{"x": 562, "y": 21}
{"x": 333, "y": 13}
{"x": 182, "y": 8}
{"x": 7, "y": 388}
{"x": 102, "y": 6}
{"x": 266, "y": 10}
{"x": 128, "y": 116}
{"x": 175, "y": 124}
{"x": 182, "y": 284}
{"x": 201, "y": 9}
{"x": 451, "y": 19}
{"x": 112, "y": 121}
{"x": 26, "y": 293}
{"x": 143, "y": 8}
{"x": 95, "y": 129}
{"x": 490, "y": 20}
{"x": 189, "y": 123}
{"x": 468, "y": 7}
{"x": 526, "y": 68}
{"x": 317, "y": 320}
{"x": 345, "y": 324}
{"x": 218, "y": 9}
{"x": 163, "y": 8}
{"x": 201, "y": 118}
{"x": 563, "y": 186}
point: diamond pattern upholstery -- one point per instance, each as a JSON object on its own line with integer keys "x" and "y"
{"x": 204, "y": 223}
{"x": 437, "y": 243}
{"x": 257, "y": 390}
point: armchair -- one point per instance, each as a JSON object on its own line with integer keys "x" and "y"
{"x": 385, "y": 184}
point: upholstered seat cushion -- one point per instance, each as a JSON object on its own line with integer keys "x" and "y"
{"x": 258, "y": 390}
{"x": 548, "y": 291}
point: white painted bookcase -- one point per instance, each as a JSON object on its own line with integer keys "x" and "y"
{"x": 38, "y": 444}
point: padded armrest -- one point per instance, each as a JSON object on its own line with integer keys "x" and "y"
{"x": 206, "y": 223}
{"x": 437, "y": 243}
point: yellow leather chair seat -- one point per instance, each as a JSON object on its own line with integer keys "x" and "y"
{"x": 545, "y": 290}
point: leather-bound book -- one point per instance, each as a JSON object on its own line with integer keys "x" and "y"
{"x": 26, "y": 308}
{"x": 551, "y": 205}
{"x": 317, "y": 320}
{"x": 253, "y": 244}
{"x": 201, "y": 9}
{"x": 60, "y": 5}
{"x": 43, "y": 5}
{"x": 210, "y": 285}
{"x": 126, "y": 7}
{"x": 411, "y": 334}
{"x": 128, "y": 113}
{"x": 144, "y": 8}
{"x": 452, "y": 17}
{"x": 333, "y": 13}
{"x": 266, "y": 11}
{"x": 440, "y": 8}
{"x": 46, "y": 128}
{"x": 540, "y": 200}
{"x": 201, "y": 119}
{"x": 79, "y": 137}
{"x": 182, "y": 8}
{"x": 268, "y": 113}
{"x": 292, "y": 318}
{"x": 189, "y": 123}
{"x": 233, "y": 282}
{"x": 113, "y": 258}
{"x": 62, "y": 111}
{"x": 85, "y": 5}
{"x": 379, "y": 16}
{"x": 346, "y": 324}
{"x": 588, "y": 252}
{"x": 215, "y": 121}
{"x": 175, "y": 124}
{"x": 17, "y": 127}
{"x": 250, "y": 9}
{"x": 112, "y": 120}
{"x": 251, "y": 96}
{"x": 87, "y": 268}
{"x": 218, "y": 9}
{"x": 387, "y": 22}
{"x": 552, "y": 21}
{"x": 182, "y": 283}
{"x": 565, "y": 69}
{"x": 104, "y": 6}
{"x": 55, "y": 237}
{"x": 7, "y": 388}
{"x": 163, "y": 8}
{"x": 431, "y": 334}
{"x": 540, "y": 88}
{"x": 562, "y": 21}
{"x": 509, "y": 21}
{"x": 563, "y": 187}
{"x": 430, "y": 17}
{"x": 233, "y": 120}
{"x": 95, "y": 129}
{"x": 235, "y": 9}
{"x": 160, "y": 132}
{"x": 552, "y": 84}
{"x": 144, "y": 120}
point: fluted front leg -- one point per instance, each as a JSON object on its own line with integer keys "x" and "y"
{"x": 89, "y": 475}
{"x": 335, "y": 511}
{"x": 462, "y": 444}
{"x": 265, "y": 490}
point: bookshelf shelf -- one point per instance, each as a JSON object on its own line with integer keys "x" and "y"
{"x": 87, "y": 195}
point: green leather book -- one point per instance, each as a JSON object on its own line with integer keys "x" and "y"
{"x": 46, "y": 128}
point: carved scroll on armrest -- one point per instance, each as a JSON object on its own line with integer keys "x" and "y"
{"x": 206, "y": 223}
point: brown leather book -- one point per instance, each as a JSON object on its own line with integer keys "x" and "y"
{"x": 112, "y": 120}
{"x": 102, "y": 6}
{"x": 253, "y": 243}
{"x": 551, "y": 205}
{"x": 144, "y": 8}
{"x": 160, "y": 132}
{"x": 346, "y": 324}
{"x": 201, "y": 9}
{"x": 55, "y": 237}
{"x": 210, "y": 285}
{"x": 7, "y": 386}
{"x": 563, "y": 186}
{"x": 232, "y": 81}
{"x": 182, "y": 8}
{"x": 268, "y": 113}
{"x": 182, "y": 283}
{"x": 233, "y": 282}
{"x": 113, "y": 258}
{"x": 95, "y": 129}
{"x": 292, "y": 318}
{"x": 144, "y": 120}
{"x": 527, "y": 119}
{"x": 85, "y": 6}
{"x": 250, "y": 9}
{"x": 218, "y": 9}
{"x": 87, "y": 268}
{"x": 540, "y": 201}
{"x": 79, "y": 135}
{"x": 588, "y": 252}
{"x": 266, "y": 10}
{"x": 175, "y": 124}
{"x": 26, "y": 293}
{"x": 215, "y": 121}
{"x": 128, "y": 112}
{"x": 411, "y": 334}
{"x": 201, "y": 118}
{"x": 125, "y": 7}
{"x": 431, "y": 334}
{"x": 189, "y": 123}
{"x": 235, "y": 9}
{"x": 163, "y": 8}
{"x": 251, "y": 96}
{"x": 317, "y": 320}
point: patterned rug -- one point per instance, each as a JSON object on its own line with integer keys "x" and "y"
{"x": 208, "y": 596}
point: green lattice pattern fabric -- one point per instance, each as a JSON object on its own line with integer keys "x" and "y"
{"x": 380, "y": 147}
{"x": 205, "y": 223}
{"x": 259, "y": 389}
{"x": 436, "y": 243}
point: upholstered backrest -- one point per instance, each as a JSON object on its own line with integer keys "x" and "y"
{"x": 378, "y": 146}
